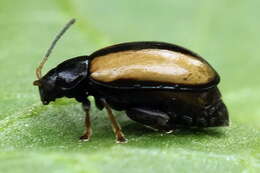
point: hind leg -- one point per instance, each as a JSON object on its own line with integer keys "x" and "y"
{"x": 150, "y": 117}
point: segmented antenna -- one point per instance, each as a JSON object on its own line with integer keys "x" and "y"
{"x": 64, "y": 29}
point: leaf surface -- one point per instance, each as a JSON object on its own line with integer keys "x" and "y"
{"x": 36, "y": 138}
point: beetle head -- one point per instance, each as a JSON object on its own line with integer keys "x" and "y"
{"x": 62, "y": 80}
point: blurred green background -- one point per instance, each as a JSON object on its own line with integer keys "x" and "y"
{"x": 36, "y": 138}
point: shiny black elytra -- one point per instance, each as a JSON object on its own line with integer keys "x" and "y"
{"x": 157, "y": 104}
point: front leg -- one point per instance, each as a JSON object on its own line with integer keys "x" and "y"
{"x": 88, "y": 132}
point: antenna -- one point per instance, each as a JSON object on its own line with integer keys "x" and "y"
{"x": 64, "y": 29}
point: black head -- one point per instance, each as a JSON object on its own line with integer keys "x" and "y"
{"x": 63, "y": 80}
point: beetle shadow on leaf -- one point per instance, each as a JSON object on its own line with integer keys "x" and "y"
{"x": 142, "y": 137}
{"x": 135, "y": 129}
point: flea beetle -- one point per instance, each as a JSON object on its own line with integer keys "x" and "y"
{"x": 160, "y": 85}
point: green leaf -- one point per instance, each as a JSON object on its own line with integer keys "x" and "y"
{"x": 37, "y": 138}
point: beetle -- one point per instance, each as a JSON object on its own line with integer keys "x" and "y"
{"x": 157, "y": 84}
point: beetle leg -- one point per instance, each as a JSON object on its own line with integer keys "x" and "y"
{"x": 120, "y": 138}
{"x": 151, "y": 118}
{"x": 88, "y": 131}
